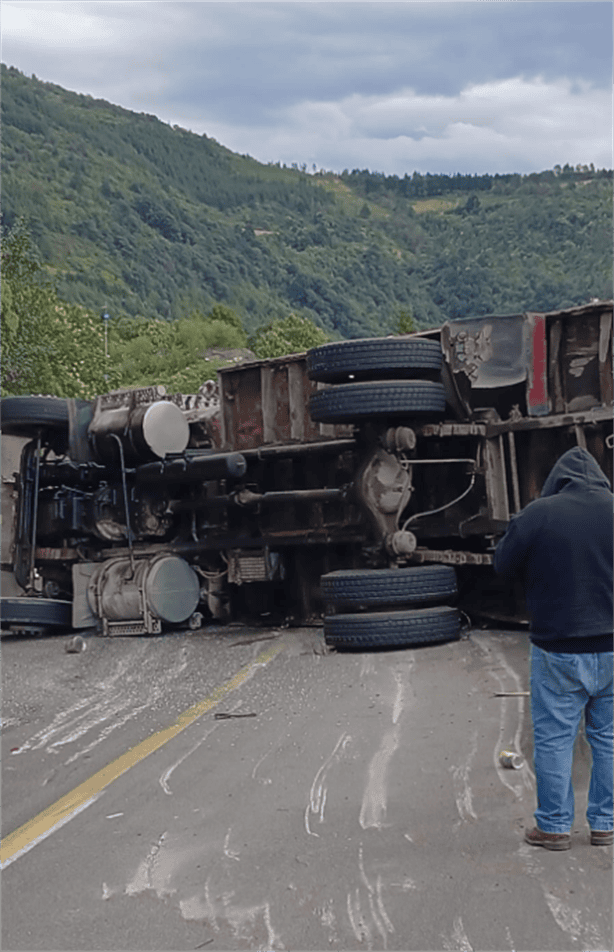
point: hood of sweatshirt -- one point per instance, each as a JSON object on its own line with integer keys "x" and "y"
{"x": 576, "y": 471}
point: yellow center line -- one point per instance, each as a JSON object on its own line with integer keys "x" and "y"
{"x": 25, "y": 837}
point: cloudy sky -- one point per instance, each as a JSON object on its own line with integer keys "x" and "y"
{"x": 483, "y": 86}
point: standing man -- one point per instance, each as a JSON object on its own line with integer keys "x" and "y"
{"x": 561, "y": 547}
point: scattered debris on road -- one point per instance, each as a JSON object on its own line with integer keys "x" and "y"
{"x": 224, "y": 716}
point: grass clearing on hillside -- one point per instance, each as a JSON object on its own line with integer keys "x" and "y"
{"x": 436, "y": 205}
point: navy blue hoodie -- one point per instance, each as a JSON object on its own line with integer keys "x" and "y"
{"x": 561, "y": 547}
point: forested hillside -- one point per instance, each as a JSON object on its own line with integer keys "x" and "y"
{"x": 150, "y": 220}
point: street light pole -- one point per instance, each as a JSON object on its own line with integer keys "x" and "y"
{"x": 106, "y": 318}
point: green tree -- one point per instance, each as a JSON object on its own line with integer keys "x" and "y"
{"x": 48, "y": 346}
{"x": 226, "y": 315}
{"x": 181, "y": 354}
{"x": 290, "y": 335}
{"x": 26, "y": 300}
{"x": 404, "y": 319}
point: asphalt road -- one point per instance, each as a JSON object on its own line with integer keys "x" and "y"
{"x": 349, "y": 801}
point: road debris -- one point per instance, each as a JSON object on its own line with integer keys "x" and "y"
{"x": 512, "y": 694}
{"x": 75, "y": 645}
{"x": 222, "y": 716}
{"x": 510, "y": 760}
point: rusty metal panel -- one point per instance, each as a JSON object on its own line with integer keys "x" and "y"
{"x": 511, "y": 440}
{"x": 555, "y": 381}
{"x": 491, "y": 351}
{"x": 580, "y": 357}
{"x": 605, "y": 356}
{"x": 296, "y": 401}
{"x": 580, "y": 362}
{"x": 496, "y": 479}
{"x": 266, "y": 402}
{"x": 276, "y": 408}
{"x": 241, "y": 408}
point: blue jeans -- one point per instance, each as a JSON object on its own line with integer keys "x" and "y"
{"x": 563, "y": 686}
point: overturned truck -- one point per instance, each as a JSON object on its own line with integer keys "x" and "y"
{"x": 364, "y": 483}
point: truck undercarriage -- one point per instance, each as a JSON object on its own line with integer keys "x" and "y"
{"x": 365, "y": 482}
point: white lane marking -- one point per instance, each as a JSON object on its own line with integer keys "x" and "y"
{"x": 158, "y": 690}
{"x": 40, "y": 738}
{"x": 458, "y": 941}
{"x": 367, "y": 666}
{"x": 525, "y": 776}
{"x": 328, "y": 920}
{"x": 570, "y": 921}
{"x": 380, "y": 905}
{"x": 157, "y": 870}
{"x": 243, "y": 919}
{"x": 306, "y": 821}
{"x": 56, "y": 826}
{"x": 402, "y": 678}
{"x": 359, "y": 925}
{"x": 112, "y": 702}
{"x": 462, "y": 790}
{"x": 231, "y": 854}
{"x": 8, "y": 722}
{"x": 372, "y": 896}
{"x": 104, "y": 733}
{"x": 163, "y": 780}
{"x": 397, "y": 708}
{"x": 195, "y": 908}
{"x": 20, "y": 841}
{"x": 407, "y": 885}
{"x": 323, "y": 804}
{"x": 318, "y": 792}
{"x": 143, "y": 878}
{"x": 264, "y": 780}
{"x": 374, "y": 801}
{"x": 566, "y": 917}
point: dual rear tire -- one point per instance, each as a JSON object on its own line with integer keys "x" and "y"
{"x": 351, "y": 594}
{"x": 377, "y": 379}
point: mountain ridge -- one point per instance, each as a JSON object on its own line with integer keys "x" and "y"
{"x": 144, "y": 218}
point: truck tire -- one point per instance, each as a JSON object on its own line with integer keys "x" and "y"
{"x": 28, "y": 613}
{"x": 24, "y": 416}
{"x": 353, "y": 402}
{"x": 352, "y": 589}
{"x": 391, "y": 629}
{"x": 373, "y": 359}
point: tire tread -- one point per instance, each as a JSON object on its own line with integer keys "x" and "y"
{"x": 370, "y": 357}
{"x": 386, "y": 629}
{"x": 392, "y": 398}
{"x": 432, "y": 583}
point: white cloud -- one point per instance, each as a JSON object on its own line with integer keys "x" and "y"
{"x": 433, "y": 86}
{"x": 510, "y": 125}
{"x": 54, "y": 26}
{"x": 95, "y": 26}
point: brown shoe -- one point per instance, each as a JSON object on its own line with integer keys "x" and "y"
{"x": 602, "y": 837}
{"x": 550, "y": 841}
